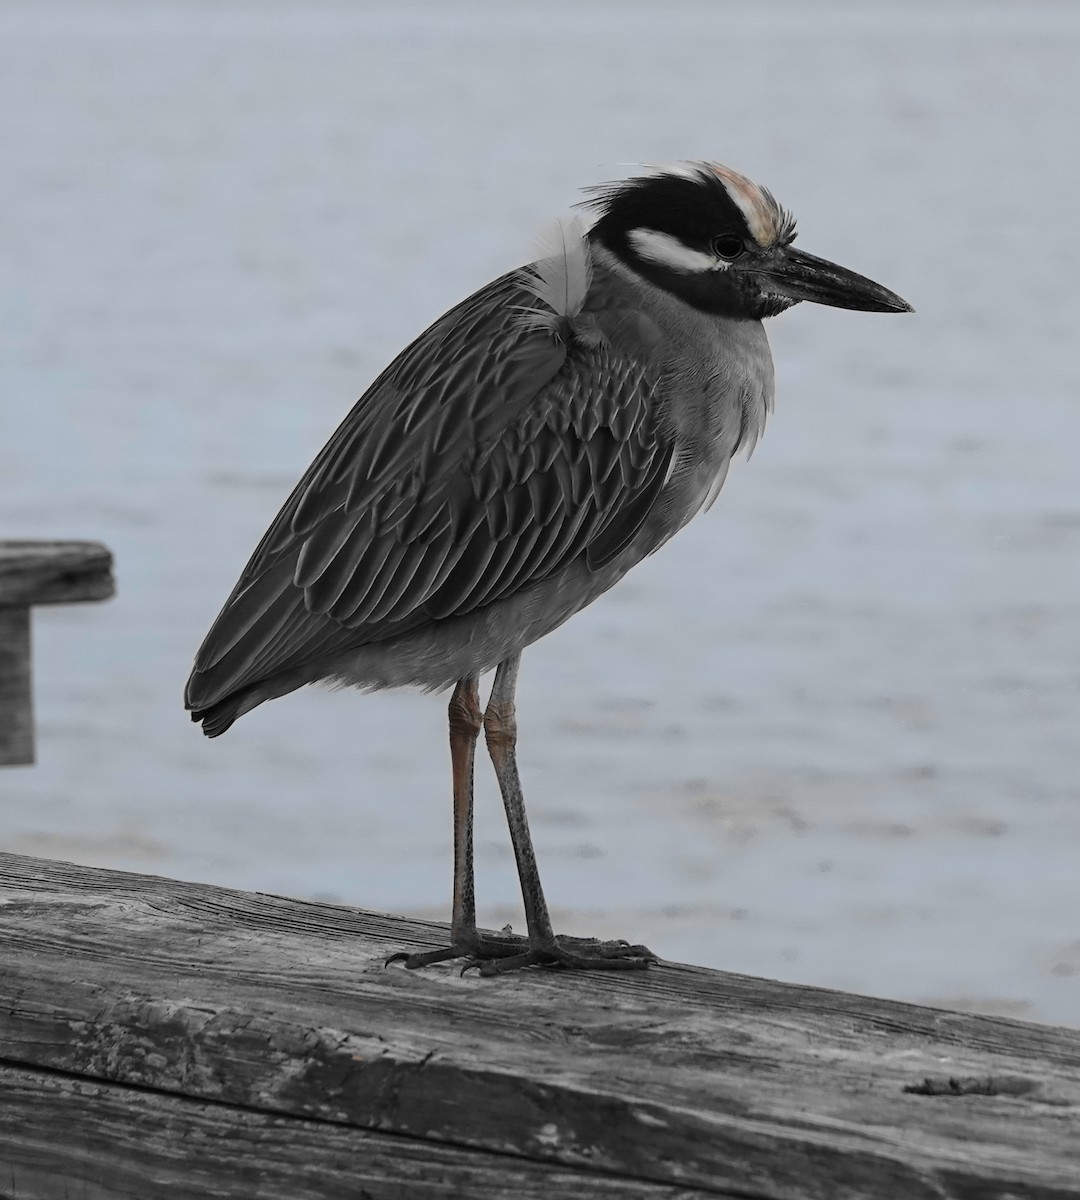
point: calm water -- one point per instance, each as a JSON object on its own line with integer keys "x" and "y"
{"x": 830, "y": 733}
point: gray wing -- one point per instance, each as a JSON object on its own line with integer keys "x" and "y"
{"x": 486, "y": 458}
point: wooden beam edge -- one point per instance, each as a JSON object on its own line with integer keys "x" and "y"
{"x": 60, "y": 572}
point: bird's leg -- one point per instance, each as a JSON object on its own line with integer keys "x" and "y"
{"x": 500, "y": 729}
{"x": 466, "y": 720}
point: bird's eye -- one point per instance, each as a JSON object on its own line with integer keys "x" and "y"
{"x": 728, "y": 246}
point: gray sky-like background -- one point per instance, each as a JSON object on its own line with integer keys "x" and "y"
{"x": 829, "y": 734}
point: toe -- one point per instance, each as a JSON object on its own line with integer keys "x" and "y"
{"x": 500, "y": 966}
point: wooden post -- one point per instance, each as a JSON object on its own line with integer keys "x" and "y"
{"x": 16, "y": 699}
{"x": 177, "y": 1041}
{"x": 34, "y": 573}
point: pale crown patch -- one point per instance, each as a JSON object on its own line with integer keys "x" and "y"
{"x": 766, "y": 220}
{"x": 769, "y": 222}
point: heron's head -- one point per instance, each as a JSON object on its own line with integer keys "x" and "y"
{"x": 722, "y": 244}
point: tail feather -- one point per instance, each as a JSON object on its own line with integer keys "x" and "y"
{"x": 219, "y": 715}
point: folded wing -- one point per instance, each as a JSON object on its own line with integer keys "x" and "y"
{"x": 487, "y": 457}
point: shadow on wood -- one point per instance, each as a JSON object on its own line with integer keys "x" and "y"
{"x": 165, "y": 1039}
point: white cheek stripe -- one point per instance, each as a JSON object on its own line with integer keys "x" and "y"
{"x": 670, "y": 252}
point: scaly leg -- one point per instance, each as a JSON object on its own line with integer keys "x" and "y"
{"x": 500, "y": 728}
{"x": 465, "y": 720}
{"x": 465, "y": 723}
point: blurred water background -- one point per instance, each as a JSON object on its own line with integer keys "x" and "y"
{"x": 829, "y": 734}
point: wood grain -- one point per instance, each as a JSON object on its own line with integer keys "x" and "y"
{"x": 16, "y": 698}
{"x": 53, "y": 573}
{"x": 62, "y": 1138}
{"x": 679, "y": 1076}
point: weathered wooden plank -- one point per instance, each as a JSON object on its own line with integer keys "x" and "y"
{"x": 53, "y": 573}
{"x": 678, "y": 1075}
{"x": 63, "y": 1138}
{"x": 16, "y": 698}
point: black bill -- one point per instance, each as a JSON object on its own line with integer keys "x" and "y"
{"x": 800, "y": 276}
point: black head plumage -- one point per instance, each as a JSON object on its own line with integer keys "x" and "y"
{"x": 680, "y": 228}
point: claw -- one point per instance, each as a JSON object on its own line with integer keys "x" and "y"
{"x": 425, "y": 958}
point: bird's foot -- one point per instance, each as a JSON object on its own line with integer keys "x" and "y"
{"x": 582, "y": 954}
{"x": 478, "y": 947}
{"x": 498, "y": 953}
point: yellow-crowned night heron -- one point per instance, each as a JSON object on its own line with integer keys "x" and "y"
{"x": 510, "y": 466}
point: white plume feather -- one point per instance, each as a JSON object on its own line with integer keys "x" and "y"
{"x": 559, "y": 278}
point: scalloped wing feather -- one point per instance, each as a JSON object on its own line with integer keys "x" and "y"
{"x": 510, "y": 453}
